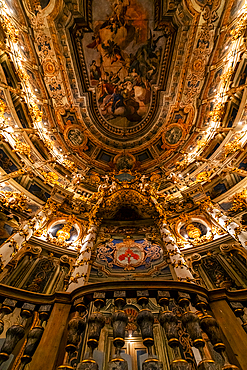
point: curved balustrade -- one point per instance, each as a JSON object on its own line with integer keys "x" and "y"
{"x": 53, "y": 331}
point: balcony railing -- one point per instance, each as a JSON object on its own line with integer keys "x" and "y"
{"x": 63, "y": 330}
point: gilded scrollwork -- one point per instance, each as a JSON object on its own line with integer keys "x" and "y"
{"x": 14, "y": 200}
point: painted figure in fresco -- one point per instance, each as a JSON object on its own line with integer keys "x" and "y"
{"x": 95, "y": 73}
{"x": 125, "y": 56}
{"x": 124, "y": 162}
{"x": 116, "y": 100}
{"x": 75, "y": 136}
{"x": 173, "y": 135}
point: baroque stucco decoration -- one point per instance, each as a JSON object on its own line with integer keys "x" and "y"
{"x": 140, "y": 57}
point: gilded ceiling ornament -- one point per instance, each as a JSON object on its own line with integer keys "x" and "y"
{"x": 124, "y": 161}
{"x": 74, "y": 279}
{"x": 218, "y": 112}
{"x": 34, "y": 112}
{"x": 239, "y": 201}
{"x": 13, "y": 243}
{"x": 155, "y": 177}
{"x": 50, "y": 67}
{"x": 241, "y": 25}
{"x": 137, "y": 192}
{"x": 184, "y": 163}
{"x": 200, "y": 55}
{"x": 2, "y": 109}
{"x": 22, "y": 74}
{"x": 172, "y": 135}
{"x": 3, "y": 123}
{"x": 14, "y": 200}
{"x": 23, "y": 149}
{"x": 55, "y": 89}
{"x": 227, "y": 75}
{"x": 50, "y": 206}
{"x": 41, "y": 232}
{"x": 49, "y": 144}
{"x": 201, "y": 143}
{"x": 69, "y": 165}
{"x": 9, "y": 28}
{"x": 203, "y": 176}
{"x": 193, "y": 231}
{"x": 176, "y": 127}
{"x": 94, "y": 177}
{"x": 233, "y": 146}
{"x": 50, "y": 177}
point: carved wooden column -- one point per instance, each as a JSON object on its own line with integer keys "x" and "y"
{"x": 210, "y": 326}
{"x": 191, "y": 322}
{"x": 169, "y": 322}
{"x": 82, "y": 264}
{"x": 178, "y": 262}
{"x": 6, "y": 309}
{"x": 76, "y": 327}
{"x": 16, "y": 332}
{"x": 119, "y": 322}
{"x": 96, "y": 322}
{"x": 234, "y": 333}
{"x": 145, "y": 320}
{"x": 238, "y": 310}
{"x": 49, "y": 347}
{"x": 34, "y": 336}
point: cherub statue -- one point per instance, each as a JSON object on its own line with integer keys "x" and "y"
{"x": 113, "y": 186}
{"x": 144, "y": 184}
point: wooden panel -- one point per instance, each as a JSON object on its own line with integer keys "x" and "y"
{"x": 47, "y": 352}
{"x": 234, "y": 333}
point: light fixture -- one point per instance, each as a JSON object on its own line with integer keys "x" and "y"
{"x": 9, "y": 129}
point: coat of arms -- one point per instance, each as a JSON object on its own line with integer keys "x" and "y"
{"x": 128, "y": 254}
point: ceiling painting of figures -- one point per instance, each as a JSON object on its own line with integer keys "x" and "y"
{"x": 123, "y": 55}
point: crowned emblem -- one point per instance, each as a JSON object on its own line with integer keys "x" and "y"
{"x": 129, "y": 254}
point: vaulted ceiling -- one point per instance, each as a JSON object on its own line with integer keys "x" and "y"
{"x": 93, "y": 87}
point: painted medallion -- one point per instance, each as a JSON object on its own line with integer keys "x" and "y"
{"x": 173, "y": 135}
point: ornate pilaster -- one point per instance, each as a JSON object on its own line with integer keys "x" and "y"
{"x": 229, "y": 225}
{"x": 178, "y": 262}
{"x": 18, "y": 240}
{"x": 82, "y": 266}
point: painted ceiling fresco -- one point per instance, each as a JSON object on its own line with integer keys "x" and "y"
{"x": 123, "y": 55}
{"x": 104, "y": 92}
{"x": 122, "y": 75}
